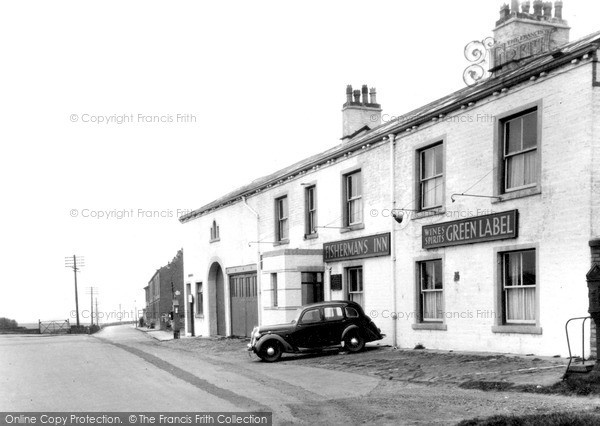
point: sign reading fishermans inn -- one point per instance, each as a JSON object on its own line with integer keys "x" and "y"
{"x": 357, "y": 248}
{"x": 497, "y": 226}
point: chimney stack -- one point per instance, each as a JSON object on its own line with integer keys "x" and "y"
{"x": 519, "y": 36}
{"x": 504, "y": 12}
{"x": 358, "y": 113}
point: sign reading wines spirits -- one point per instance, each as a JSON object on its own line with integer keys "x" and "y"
{"x": 497, "y": 226}
{"x": 357, "y": 248}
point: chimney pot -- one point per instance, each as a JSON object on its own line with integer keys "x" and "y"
{"x": 537, "y": 7}
{"x": 526, "y": 7}
{"x": 558, "y": 7}
{"x": 547, "y": 6}
{"x": 365, "y": 94}
{"x": 504, "y": 12}
{"x": 349, "y": 93}
{"x": 373, "y": 96}
{"x": 514, "y": 6}
{"x": 357, "y": 96}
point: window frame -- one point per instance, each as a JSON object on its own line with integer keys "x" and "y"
{"x": 439, "y": 142}
{"x": 500, "y": 325}
{"x": 505, "y": 289}
{"x": 506, "y": 155}
{"x": 500, "y": 165}
{"x": 347, "y": 198}
{"x": 421, "y": 301}
{"x": 310, "y": 213}
{"x": 349, "y": 291}
{"x": 282, "y": 221}
{"x": 214, "y": 232}
{"x": 316, "y": 283}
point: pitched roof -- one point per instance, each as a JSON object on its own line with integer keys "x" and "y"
{"x": 461, "y": 99}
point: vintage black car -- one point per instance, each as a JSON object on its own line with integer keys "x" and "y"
{"x": 317, "y": 326}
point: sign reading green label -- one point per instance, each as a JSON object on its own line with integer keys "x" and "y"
{"x": 497, "y": 226}
{"x": 357, "y": 248}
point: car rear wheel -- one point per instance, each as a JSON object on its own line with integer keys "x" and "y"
{"x": 354, "y": 342}
{"x": 270, "y": 351}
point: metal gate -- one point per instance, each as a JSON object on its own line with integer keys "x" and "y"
{"x": 54, "y": 327}
{"x": 244, "y": 304}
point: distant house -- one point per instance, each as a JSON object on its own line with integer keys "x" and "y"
{"x": 165, "y": 286}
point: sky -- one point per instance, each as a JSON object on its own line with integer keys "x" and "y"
{"x": 117, "y": 117}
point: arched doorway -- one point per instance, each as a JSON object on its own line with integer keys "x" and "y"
{"x": 216, "y": 284}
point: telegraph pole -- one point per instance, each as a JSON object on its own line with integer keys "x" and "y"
{"x": 91, "y": 291}
{"x": 97, "y": 317}
{"x": 71, "y": 262}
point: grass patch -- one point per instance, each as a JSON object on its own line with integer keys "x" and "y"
{"x": 553, "y": 419}
{"x": 486, "y": 386}
{"x": 574, "y": 385}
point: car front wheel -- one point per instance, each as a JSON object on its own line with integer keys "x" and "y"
{"x": 270, "y": 351}
{"x": 354, "y": 342}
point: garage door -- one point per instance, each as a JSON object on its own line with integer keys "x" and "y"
{"x": 244, "y": 306}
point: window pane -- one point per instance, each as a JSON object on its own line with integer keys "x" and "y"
{"x": 437, "y": 270}
{"x": 312, "y": 315}
{"x": 427, "y": 164}
{"x": 512, "y": 269}
{"x": 355, "y": 211}
{"x": 529, "y": 167}
{"x": 351, "y": 312}
{"x": 530, "y": 130}
{"x": 333, "y": 314}
{"x": 357, "y": 184}
{"x": 285, "y": 207}
{"x": 528, "y": 267}
{"x": 520, "y": 304}
{"x": 428, "y": 193}
{"x": 433, "y": 305}
{"x": 439, "y": 159}
{"x": 515, "y": 171}
{"x": 355, "y": 279}
{"x": 513, "y": 135}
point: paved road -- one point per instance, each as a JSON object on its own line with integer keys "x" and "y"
{"x": 122, "y": 369}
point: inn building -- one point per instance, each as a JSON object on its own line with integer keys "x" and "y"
{"x": 467, "y": 224}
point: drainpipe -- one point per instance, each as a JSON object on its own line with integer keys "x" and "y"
{"x": 392, "y": 138}
{"x": 258, "y": 267}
